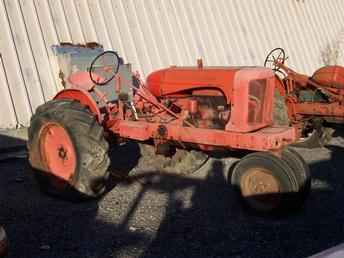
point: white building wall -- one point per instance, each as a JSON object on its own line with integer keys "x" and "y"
{"x": 152, "y": 34}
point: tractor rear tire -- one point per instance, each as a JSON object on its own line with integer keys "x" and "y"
{"x": 265, "y": 182}
{"x": 302, "y": 174}
{"x": 68, "y": 151}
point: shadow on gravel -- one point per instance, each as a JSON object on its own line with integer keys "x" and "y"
{"x": 215, "y": 225}
{"x": 38, "y": 225}
{"x": 11, "y": 147}
{"x": 212, "y": 223}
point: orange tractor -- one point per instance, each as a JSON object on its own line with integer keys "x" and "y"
{"x": 205, "y": 108}
{"x": 314, "y": 102}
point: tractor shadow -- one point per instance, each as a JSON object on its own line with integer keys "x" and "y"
{"x": 39, "y": 225}
{"x": 215, "y": 223}
{"x": 124, "y": 158}
{"x": 212, "y": 222}
{"x": 202, "y": 217}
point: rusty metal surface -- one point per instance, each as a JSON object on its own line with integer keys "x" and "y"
{"x": 332, "y": 76}
{"x": 257, "y": 185}
{"x": 153, "y": 34}
{"x": 259, "y": 181}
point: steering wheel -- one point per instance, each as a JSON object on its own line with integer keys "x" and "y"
{"x": 104, "y": 67}
{"x": 275, "y": 55}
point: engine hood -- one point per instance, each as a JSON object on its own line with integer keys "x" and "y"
{"x": 175, "y": 79}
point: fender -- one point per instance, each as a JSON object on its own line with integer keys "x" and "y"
{"x": 83, "y": 97}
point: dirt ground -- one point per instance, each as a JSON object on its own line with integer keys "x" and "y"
{"x": 171, "y": 215}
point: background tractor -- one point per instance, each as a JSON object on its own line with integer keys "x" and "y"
{"x": 314, "y": 103}
{"x": 191, "y": 108}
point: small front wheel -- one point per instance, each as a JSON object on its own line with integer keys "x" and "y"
{"x": 265, "y": 182}
{"x": 302, "y": 174}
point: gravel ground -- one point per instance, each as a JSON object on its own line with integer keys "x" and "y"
{"x": 171, "y": 215}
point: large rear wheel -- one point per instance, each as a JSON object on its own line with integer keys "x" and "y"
{"x": 68, "y": 151}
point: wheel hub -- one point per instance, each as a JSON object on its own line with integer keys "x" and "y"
{"x": 260, "y": 188}
{"x": 62, "y": 153}
{"x": 57, "y": 151}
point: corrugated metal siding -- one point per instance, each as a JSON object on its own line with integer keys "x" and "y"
{"x": 156, "y": 33}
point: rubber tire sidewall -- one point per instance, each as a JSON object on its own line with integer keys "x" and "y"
{"x": 53, "y": 112}
{"x": 301, "y": 171}
{"x": 281, "y": 170}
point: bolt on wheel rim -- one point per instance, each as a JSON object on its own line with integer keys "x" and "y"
{"x": 57, "y": 151}
{"x": 260, "y": 189}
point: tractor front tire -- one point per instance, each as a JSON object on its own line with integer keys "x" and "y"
{"x": 68, "y": 151}
{"x": 302, "y": 174}
{"x": 265, "y": 182}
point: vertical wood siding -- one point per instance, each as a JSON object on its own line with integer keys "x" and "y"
{"x": 152, "y": 34}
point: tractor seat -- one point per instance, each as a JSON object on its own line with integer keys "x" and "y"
{"x": 330, "y": 76}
